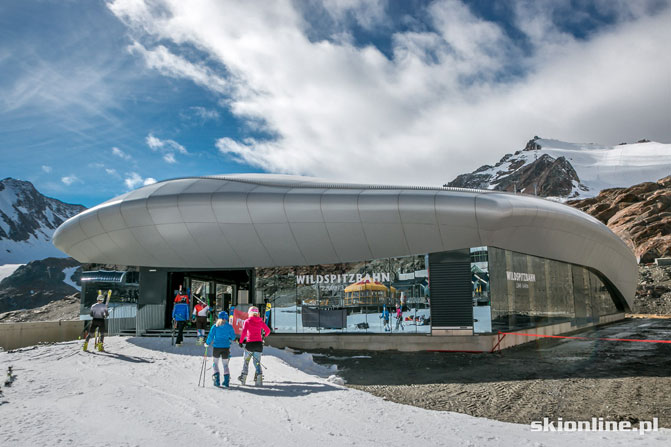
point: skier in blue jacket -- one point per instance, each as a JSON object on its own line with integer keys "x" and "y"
{"x": 220, "y": 337}
{"x": 180, "y": 314}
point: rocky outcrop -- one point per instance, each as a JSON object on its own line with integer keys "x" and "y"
{"x": 639, "y": 215}
{"x": 525, "y": 172}
{"x": 653, "y": 294}
{"x": 38, "y": 283}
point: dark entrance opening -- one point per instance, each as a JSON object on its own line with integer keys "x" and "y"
{"x": 219, "y": 289}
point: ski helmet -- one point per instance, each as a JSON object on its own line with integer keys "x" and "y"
{"x": 223, "y": 315}
{"x": 253, "y": 311}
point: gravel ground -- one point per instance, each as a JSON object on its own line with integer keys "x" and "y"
{"x": 572, "y": 379}
{"x": 653, "y": 294}
{"x": 63, "y": 309}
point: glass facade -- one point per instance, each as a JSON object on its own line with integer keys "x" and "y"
{"x": 482, "y": 309}
{"x": 510, "y": 291}
{"x": 528, "y": 291}
{"x": 381, "y": 296}
{"x": 125, "y": 289}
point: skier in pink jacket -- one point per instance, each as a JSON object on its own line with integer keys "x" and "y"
{"x": 253, "y": 332}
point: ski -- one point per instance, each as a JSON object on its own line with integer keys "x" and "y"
{"x": 172, "y": 333}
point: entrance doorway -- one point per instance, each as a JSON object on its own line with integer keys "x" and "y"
{"x": 219, "y": 289}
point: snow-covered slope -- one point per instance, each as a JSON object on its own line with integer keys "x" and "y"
{"x": 144, "y": 392}
{"x": 27, "y": 222}
{"x": 8, "y": 269}
{"x": 596, "y": 166}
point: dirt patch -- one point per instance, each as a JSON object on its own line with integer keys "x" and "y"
{"x": 572, "y": 379}
{"x": 63, "y": 309}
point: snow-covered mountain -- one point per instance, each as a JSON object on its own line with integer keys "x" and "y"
{"x": 27, "y": 222}
{"x": 553, "y": 168}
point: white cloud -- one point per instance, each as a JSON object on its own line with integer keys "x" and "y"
{"x": 69, "y": 180}
{"x": 169, "y": 158}
{"x": 165, "y": 145}
{"x": 133, "y": 180}
{"x": 47, "y": 169}
{"x": 205, "y": 114}
{"x": 161, "y": 59}
{"x": 454, "y": 95}
{"x": 168, "y": 147}
{"x": 121, "y": 154}
{"x": 367, "y": 14}
{"x": 112, "y": 172}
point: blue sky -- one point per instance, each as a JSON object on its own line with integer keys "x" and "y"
{"x": 97, "y": 97}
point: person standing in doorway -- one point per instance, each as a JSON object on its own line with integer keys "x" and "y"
{"x": 181, "y": 295}
{"x": 220, "y": 338}
{"x": 180, "y": 316}
{"x": 200, "y": 312}
{"x": 254, "y": 330}
{"x": 98, "y": 312}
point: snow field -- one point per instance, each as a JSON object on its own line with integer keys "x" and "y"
{"x": 144, "y": 392}
{"x": 8, "y": 269}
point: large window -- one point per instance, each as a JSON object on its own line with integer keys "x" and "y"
{"x": 482, "y": 320}
{"x": 381, "y": 296}
{"x": 528, "y": 291}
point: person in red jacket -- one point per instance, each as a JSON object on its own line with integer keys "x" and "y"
{"x": 181, "y": 295}
{"x": 253, "y": 332}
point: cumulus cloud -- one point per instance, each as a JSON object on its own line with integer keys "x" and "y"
{"x": 446, "y": 98}
{"x": 133, "y": 180}
{"x": 121, "y": 154}
{"x": 47, "y": 169}
{"x": 70, "y": 179}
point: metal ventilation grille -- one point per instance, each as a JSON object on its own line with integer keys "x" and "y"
{"x": 450, "y": 286}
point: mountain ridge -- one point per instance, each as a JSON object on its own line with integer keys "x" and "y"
{"x": 554, "y": 168}
{"x": 28, "y": 220}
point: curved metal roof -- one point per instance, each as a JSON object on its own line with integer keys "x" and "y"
{"x": 260, "y": 220}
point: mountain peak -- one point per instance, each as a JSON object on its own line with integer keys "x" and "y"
{"x": 555, "y": 168}
{"x": 28, "y": 220}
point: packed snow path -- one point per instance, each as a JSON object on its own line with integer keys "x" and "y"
{"x": 143, "y": 392}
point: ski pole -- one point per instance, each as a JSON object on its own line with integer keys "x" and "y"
{"x": 204, "y": 366}
{"x": 201, "y": 376}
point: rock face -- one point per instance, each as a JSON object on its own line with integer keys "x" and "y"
{"x": 563, "y": 170}
{"x": 38, "y": 283}
{"x": 653, "y": 294}
{"x": 522, "y": 172}
{"x": 28, "y": 220}
{"x": 639, "y": 215}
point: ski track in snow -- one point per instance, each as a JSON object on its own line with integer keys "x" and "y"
{"x": 144, "y": 392}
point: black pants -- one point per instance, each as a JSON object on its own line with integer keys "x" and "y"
{"x": 180, "y": 331}
{"x": 97, "y": 323}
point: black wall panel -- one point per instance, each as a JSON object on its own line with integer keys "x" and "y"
{"x": 450, "y": 286}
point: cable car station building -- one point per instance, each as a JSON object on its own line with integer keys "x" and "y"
{"x": 450, "y": 267}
